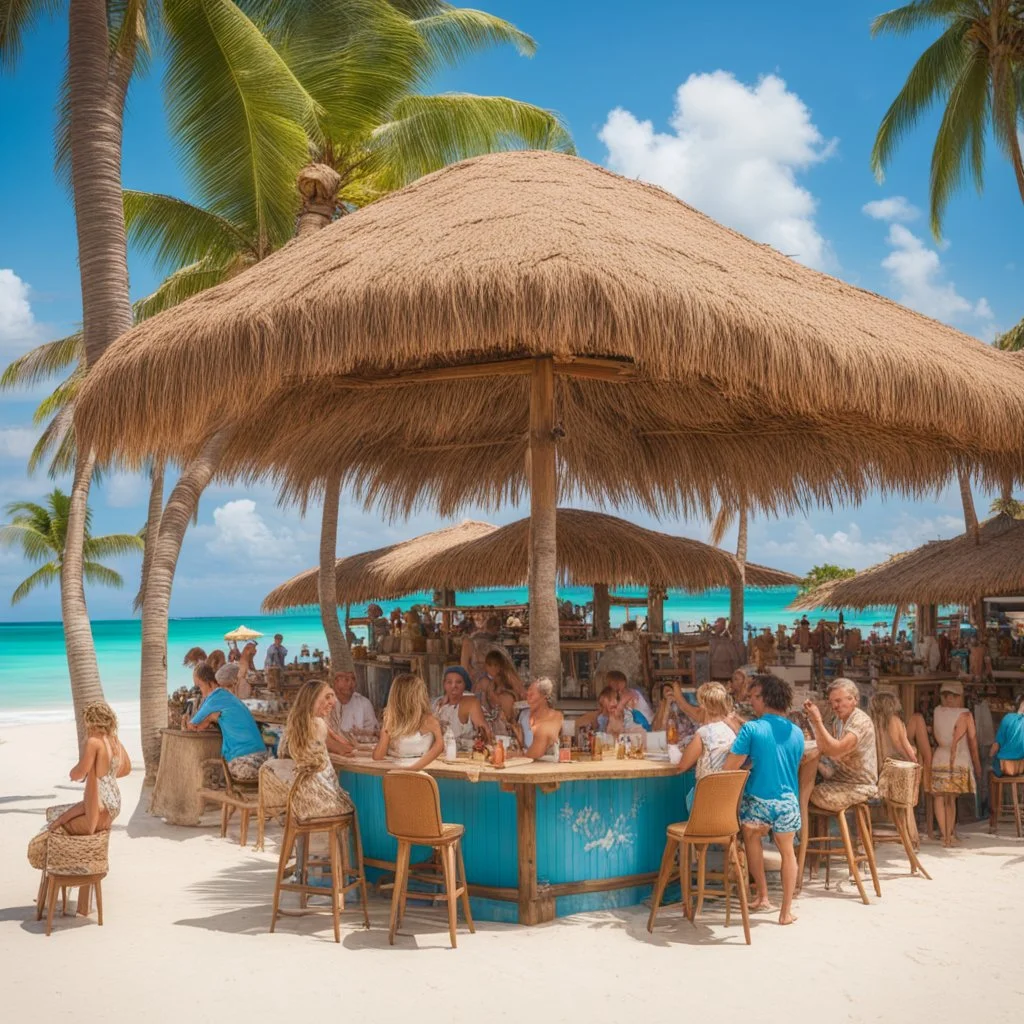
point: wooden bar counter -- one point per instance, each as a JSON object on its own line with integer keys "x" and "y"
{"x": 543, "y": 840}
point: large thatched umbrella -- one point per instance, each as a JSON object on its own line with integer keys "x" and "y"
{"x": 594, "y": 550}
{"x": 962, "y": 570}
{"x": 534, "y": 301}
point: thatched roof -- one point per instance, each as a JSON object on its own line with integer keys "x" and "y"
{"x": 744, "y": 373}
{"x": 592, "y": 548}
{"x": 940, "y": 572}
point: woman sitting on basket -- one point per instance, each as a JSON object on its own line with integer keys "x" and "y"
{"x": 410, "y": 732}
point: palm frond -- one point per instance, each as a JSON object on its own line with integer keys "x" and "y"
{"x": 56, "y": 443}
{"x": 241, "y": 116}
{"x": 914, "y": 16}
{"x": 93, "y": 572}
{"x": 430, "y": 132}
{"x": 16, "y": 19}
{"x": 35, "y": 545}
{"x": 455, "y": 33}
{"x": 1011, "y": 340}
{"x": 178, "y": 233}
{"x": 356, "y": 58}
{"x": 43, "y": 361}
{"x": 60, "y": 398}
{"x": 42, "y": 577}
{"x": 960, "y": 141}
{"x": 113, "y": 545}
{"x": 185, "y": 283}
{"x": 723, "y": 520}
{"x": 935, "y": 71}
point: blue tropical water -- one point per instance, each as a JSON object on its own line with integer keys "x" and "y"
{"x": 34, "y": 676}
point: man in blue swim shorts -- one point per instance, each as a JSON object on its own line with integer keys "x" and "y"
{"x": 773, "y": 746}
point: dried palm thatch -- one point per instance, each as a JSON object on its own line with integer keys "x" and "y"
{"x": 940, "y": 572}
{"x": 741, "y": 371}
{"x": 592, "y": 548}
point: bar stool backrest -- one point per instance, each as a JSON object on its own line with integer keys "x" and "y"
{"x": 412, "y": 805}
{"x": 716, "y": 805}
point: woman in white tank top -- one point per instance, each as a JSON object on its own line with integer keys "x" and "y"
{"x": 410, "y": 734}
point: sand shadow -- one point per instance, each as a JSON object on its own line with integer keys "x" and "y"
{"x": 143, "y": 825}
{"x": 37, "y": 796}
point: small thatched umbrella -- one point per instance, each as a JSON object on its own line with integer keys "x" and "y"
{"x": 963, "y": 570}
{"x": 594, "y": 550}
{"x": 422, "y": 345}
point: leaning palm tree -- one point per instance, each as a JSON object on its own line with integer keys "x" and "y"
{"x": 41, "y": 532}
{"x": 975, "y": 66}
{"x": 362, "y": 69}
{"x": 737, "y": 591}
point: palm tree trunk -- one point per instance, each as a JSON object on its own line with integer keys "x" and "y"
{"x": 970, "y": 516}
{"x": 737, "y": 592}
{"x": 156, "y": 603}
{"x": 545, "y": 651}
{"x": 156, "y": 507}
{"x": 81, "y": 651}
{"x": 97, "y": 86}
{"x": 602, "y": 611}
{"x": 327, "y": 581}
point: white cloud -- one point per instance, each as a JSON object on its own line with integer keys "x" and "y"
{"x": 125, "y": 490}
{"x": 918, "y": 280}
{"x": 16, "y": 319}
{"x": 734, "y": 153}
{"x": 892, "y": 208}
{"x": 17, "y": 442}
{"x": 239, "y": 533}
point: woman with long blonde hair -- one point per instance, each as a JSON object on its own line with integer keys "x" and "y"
{"x": 316, "y": 792}
{"x": 410, "y": 733}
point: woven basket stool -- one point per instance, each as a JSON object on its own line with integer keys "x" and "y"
{"x": 70, "y": 861}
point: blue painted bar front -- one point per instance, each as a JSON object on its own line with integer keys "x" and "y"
{"x": 597, "y": 832}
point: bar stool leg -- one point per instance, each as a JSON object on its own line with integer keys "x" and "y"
{"x": 99, "y": 901}
{"x": 726, "y": 887}
{"x": 41, "y": 896}
{"x": 995, "y": 800}
{"x": 51, "y": 903}
{"x": 901, "y": 816}
{"x": 702, "y": 853}
{"x": 447, "y": 862}
{"x": 361, "y": 867}
{"x": 741, "y": 871}
{"x": 668, "y": 858}
{"x": 337, "y": 880}
{"x": 340, "y": 839}
{"x": 464, "y": 882}
{"x": 868, "y": 842}
{"x": 851, "y": 859}
{"x": 397, "y": 895}
{"x": 287, "y": 841}
{"x": 685, "y": 850}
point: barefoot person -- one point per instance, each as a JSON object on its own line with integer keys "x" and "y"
{"x": 771, "y": 798}
{"x": 956, "y": 753}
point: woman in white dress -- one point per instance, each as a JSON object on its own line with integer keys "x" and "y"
{"x": 410, "y": 734}
{"x": 956, "y": 748}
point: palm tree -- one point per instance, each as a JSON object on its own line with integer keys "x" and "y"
{"x": 360, "y": 64}
{"x": 737, "y": 592}
{"x": 975, "y": 65}
{"x": 41, "y": 531}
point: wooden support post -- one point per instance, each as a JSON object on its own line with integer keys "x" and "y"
{"x": 545, "y": 655}
{"x": 602, "y": 611}
{"x": 656, "y": 609}
{"x": 533, "y": 909}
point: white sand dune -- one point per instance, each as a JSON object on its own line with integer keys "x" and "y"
{"x": 186, "y": 938}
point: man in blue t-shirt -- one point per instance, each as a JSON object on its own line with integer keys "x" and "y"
{"x": 242, "y": 745}
{"x": 771, "y": 799}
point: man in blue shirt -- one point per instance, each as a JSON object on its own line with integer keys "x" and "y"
{"x": 242, "y": 745}
{"x": 771, "y": 798}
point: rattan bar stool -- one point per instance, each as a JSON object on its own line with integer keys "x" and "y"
{"x": 412, "y": 807}
{"x": 73, "y": 860}
{"x": 899, "y": 806}
{"x": 714, "y": 821}
{"x": 345, "y": 875}
{"x": 235, "y": 796}
{"x": 999, "y": 811}
{"x": 820, "y": 843}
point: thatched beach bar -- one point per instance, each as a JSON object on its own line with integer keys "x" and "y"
{"x": 528, "y": 326}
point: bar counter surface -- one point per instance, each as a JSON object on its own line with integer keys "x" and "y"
{"x": 543, "y": 839}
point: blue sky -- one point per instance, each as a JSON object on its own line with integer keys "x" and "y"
{"x": 761, "y": 114}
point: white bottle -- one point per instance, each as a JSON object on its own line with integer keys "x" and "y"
{"x": 450, "y": 750}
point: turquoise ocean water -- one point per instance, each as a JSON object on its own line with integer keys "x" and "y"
{"x": 34, "y": 677}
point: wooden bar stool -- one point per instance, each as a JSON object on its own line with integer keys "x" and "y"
{"x": 344, "y": 875}
{"x": 235, "y": 796}
{"x": 714, "y": 820}
{"x": 899, "y": 804}
{"x": 999, "y": 811}
{"x": 820, "y": 843}
{"x": 412, "y": 807}
{"x": 73, "y": 860}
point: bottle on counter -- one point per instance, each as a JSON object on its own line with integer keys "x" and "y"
{"x": 620, "y": 748}
{"x": 499, "y": 753}
{"x": 450, "y": 749}
{"x": 672, "y": 731}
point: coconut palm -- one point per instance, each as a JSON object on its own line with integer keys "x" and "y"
{"x": 41, "y": 533}
{"x": 737, "y": 594}
{"x": 975, "y": 66}
{"x": 375, "y": 131}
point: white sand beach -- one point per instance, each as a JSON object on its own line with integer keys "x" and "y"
{"x": 186, "y": 916}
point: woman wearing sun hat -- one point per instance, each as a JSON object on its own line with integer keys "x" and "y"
{"x": 955, "y": 762}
